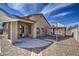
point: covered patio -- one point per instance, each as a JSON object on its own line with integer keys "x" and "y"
{"x": 21, "y": 29}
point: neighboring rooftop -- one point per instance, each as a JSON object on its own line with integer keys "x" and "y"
{"x": 57, "y": 25}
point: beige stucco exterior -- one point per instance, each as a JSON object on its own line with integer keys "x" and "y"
{"x": 40, "y": 23}
{"x": 29, "y": 29}
{"x": 75, "y": 32}
{"x": 58, "y": 31}
{"x": 13, "y": 31}
{"x": 26, "y": 27}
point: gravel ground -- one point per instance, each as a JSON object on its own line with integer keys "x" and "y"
{"x": 68, "y": 47}
{"x": 9, "y": 50}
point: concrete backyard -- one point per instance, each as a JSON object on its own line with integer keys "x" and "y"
{"x": 66, "y": 47}
{"x": 39, "y": 29}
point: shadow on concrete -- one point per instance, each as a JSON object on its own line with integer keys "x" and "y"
{"x": 38, "y": 49}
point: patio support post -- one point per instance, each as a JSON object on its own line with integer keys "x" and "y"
{"x": 56, "y": 32}
{"x": 13, "y": 32}
{"x": 6, "y": 30}
{"x": 33, "y": 30}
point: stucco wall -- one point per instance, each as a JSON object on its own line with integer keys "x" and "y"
{"x": 40, "y": 23}
{"x": 75, "y": 31}
{"x": 78, "y": 34}
{"x": 60, "y": 31}
{"x": 11, "y": 29}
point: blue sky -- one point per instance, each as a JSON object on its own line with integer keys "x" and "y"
{"x": 65, "y": 13}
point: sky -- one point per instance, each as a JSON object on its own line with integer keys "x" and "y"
{"x": 64, "y": 13}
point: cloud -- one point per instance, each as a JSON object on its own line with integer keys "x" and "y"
{"x": 52, "y": 7}
{"x": 47, "y": 7}
{"x": 24, "y": 8}
{"x": 72, "y": 24}
{"x": 32, "y": 7}
{"x": 17, "y": 6}
{"x": 58, "y": 15}
{"x": 62, "y": 14}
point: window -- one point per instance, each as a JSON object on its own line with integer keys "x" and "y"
{"x": 1, "y": 31}
{"x": 38, "y": 30}
{"x": 22, "y": 29}
{"x": 42, "y": 29}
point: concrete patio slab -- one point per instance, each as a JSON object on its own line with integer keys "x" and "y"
{"x": 32, "y": 43}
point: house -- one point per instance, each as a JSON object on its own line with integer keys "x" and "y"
{"x": 24, "y": 26}
{"x": 74, "y": 31}
{"x": 58, "y": 29}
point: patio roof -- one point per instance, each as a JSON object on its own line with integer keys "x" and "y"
{"x": 5, "y": 18}
{"x": 24, "y": 18}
